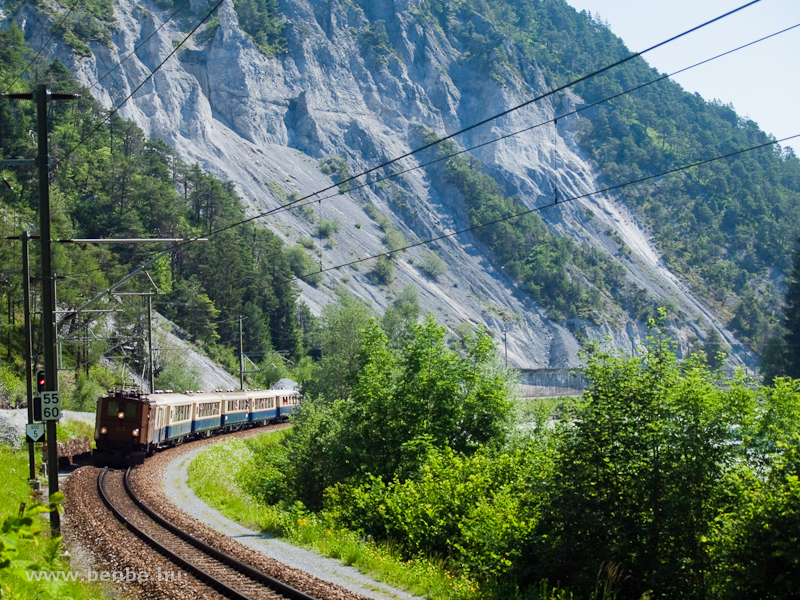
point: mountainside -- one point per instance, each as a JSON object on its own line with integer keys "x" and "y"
{"x": 339, "y": 87}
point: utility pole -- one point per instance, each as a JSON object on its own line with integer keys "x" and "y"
{"x": 42, "y": 96}
{"x": 241, "y": 356}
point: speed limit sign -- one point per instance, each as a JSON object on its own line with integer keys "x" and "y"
{"x": 51, "y": 406}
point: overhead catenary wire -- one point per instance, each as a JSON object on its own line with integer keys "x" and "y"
{"x": 552, "y": 204}
{"x": 537, "y": 98}
{"x": 425, "y": 146}
{"x": 450, "y": 136}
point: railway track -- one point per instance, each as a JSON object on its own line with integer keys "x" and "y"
{"x": 229, "y": 576}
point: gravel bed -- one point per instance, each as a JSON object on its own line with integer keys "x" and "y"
{"x": 115, "y": 490}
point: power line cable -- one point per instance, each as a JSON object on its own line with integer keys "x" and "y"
{"x": 313, "y": 198}
{"x": 540, "y": 97}
{"x": 478, "y": 124}
{"x": 38, "y": 54}
{"x": 560, "y": 201}
{"x": 495, "y": 140}
{"x": 426, "y": 146}
{"x": 439, "y": 141}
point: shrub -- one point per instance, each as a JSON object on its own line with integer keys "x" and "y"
{"x": 394, "y": 239}
{"x": 327, "y": 228}
{"x": 433, "y": 265}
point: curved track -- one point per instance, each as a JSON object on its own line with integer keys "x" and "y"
{"x": 229, "y": 576}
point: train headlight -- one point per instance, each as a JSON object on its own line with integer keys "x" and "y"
{"x": 121, "y": 415}
{"x": 103, "y": 430}
{"x": 135, "y": 432}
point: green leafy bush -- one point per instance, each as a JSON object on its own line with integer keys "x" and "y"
{"x": 399, "y": 409}
{"x": 326, "y": 229}
{"x": 382, "y": 271}
{"x": 433, "y": 265}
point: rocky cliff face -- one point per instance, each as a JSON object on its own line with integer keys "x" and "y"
{"x": 267, "y": 123}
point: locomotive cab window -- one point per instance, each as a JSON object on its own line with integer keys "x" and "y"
{"x": 127, "y": 409}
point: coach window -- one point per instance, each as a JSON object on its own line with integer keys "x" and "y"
{"x": 180, "y": 413}
{"x": 113, "y": 409}
{"x": 208, "y": 409}
{"x": 130, "y": 410}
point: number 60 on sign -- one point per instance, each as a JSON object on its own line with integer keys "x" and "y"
{"x": 51, "y": 406}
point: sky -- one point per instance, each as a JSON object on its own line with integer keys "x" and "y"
{"x": 762, "y": 82}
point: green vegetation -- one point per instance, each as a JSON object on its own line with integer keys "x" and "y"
{"x": 400, "y": 316}
{"x": 262, "y": 21}
{"x": 338, "y": 340}
{"x": 303, "y": 266}
{"x": 336, "y": 166}
{"x": 382, "y": 272}
{"x": 433, "y": 265}
{"x": 381, "y": 219}
{"x": 375, "y": 43}
{"x": 661, "y": 482}
{"x": 394, "y": 239}
{"x": 26, "y": 546}
{"x": 326, "y": 229}
{"x": 238, "y": 476}
{"x": 780, "y": 358}
{"x": 117, "y": 184}
{"x": 398, "y": 409}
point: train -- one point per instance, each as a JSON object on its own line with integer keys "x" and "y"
{"x": 132, "y": 425}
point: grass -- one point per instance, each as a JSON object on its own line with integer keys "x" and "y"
{"x": 41, "y": 550}
{"x": 223, "y": 477}
{"x": 67, "y": 429}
